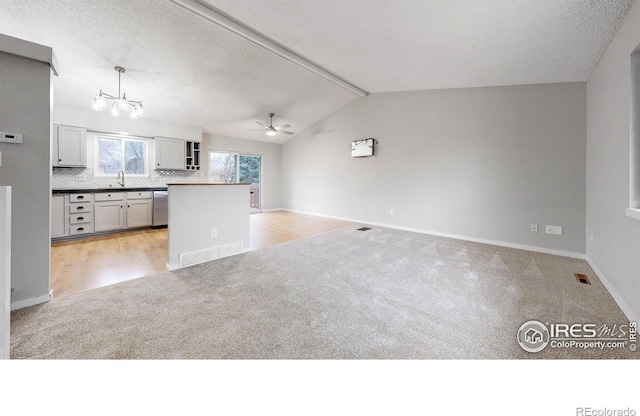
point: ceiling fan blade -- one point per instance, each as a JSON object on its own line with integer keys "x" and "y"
{"x": 256, "y": 130}
{"x": 284, "y": 126}
{"x": 285, "y": 132}
{"x": 262, "y": 124}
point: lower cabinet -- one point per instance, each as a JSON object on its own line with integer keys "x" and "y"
{"x": 109, "y": 215}
{"x": 99, "y": 212}
{"x": 139, "y": 212}
{"x": 58, "y": 217}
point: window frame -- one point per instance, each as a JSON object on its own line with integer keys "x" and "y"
{"x": 123, "y": 140}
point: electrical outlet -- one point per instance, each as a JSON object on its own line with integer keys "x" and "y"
{"x": 557, "y": 229}
{"x": 549, "y": 229}
{"x": 534, "y": 228}
{"x": 392, "y": 211}
{"x": 214, "y": 233}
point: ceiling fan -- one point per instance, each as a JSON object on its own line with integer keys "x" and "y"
{"x": 272, "y": 131}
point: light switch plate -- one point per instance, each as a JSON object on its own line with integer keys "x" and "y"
{"x": 557, "y": 229}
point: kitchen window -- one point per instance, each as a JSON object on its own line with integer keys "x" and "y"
{"x": 115, "y": 154}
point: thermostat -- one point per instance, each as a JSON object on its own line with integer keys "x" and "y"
{"x": 9, "y": 137}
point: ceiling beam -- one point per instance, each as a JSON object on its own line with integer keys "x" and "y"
{"x": 208, "y": 13}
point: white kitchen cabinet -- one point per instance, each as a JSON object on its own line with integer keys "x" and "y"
{"x": 58, "y": 217}
{"x": 69, "y": 146}
{"x": 109, "y": 215}
{"x": 170, "y": 153}
{"x": 139, "y": 212}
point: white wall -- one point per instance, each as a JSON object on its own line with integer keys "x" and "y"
{"x": 25, "y": 107}
{"x": 102, "y": 121}
{"x": 616, "y": 237}
{"x": 271, "y": 163}
{"x": 482, "y": 163}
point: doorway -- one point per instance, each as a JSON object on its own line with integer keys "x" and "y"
{"x": 229, "y": 167}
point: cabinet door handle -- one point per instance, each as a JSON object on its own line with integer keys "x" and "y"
{"x": 80, "y": 208}
{"x": 80, "y": 218}
{"x": 109, "y": 195}
{"x": 81, "y": 229}
{"x": 59, "y": 160}
{"x": 80, "y": 197}
{"x": 128, "y": 206}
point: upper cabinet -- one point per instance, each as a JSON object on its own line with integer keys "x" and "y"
{"x": 170, "y": 153}
{"x": 69, "y": 146}
{"x": 193, "y": 156}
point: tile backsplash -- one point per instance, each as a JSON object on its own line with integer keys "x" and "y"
{"x": 81, "y": 178}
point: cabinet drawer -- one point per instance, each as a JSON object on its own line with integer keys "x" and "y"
{"x": 82, "y": 218}
{"x": 73, "y": 198}
{"x": 140, "y": 195}
{"x": 80, "y": 229}
{"x": 80, "y": 207}
{"x": 110, "y": 196}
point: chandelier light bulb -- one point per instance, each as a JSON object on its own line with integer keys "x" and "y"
{"x": 139, "y": 111}
{"x": 99, "y": 102}
{"x": 133, "y": 113}
{"x": 123, "y": 104}
{"x": 114, "y": 109}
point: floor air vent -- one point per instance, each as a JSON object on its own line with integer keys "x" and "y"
{"x": 364, "y": 229}
{"x": 582, "y": 278}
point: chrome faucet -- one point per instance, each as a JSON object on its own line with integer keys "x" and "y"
{"x": 120, "y": 174}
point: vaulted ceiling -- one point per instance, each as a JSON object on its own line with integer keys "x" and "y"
{"x": 188, "y": 70}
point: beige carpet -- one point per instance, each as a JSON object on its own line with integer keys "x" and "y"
{"x": 347, "y": 294}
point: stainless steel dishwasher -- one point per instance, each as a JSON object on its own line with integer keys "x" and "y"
{"x": 160, "y": 208}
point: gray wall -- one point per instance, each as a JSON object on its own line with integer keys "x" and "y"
{"x": 481, "y": 163}
{"x": 25, "y": 107}
{"x": 271, "y": 166}
{"x": 616, "y": 237}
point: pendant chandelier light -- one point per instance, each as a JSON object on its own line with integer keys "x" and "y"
{"x": 118, "y": 103}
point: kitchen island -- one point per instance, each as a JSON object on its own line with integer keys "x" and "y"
{"x": 207, "y": 221}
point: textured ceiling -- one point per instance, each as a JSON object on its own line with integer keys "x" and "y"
{"x": 187, "y": 70}
{"x": 401, "y": 45}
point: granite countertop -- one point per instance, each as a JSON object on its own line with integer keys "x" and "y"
{"x": 207, "y": 183}
{"x": 101, "y": 190}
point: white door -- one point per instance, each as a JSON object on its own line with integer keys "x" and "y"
{"x": 5, "y": 270}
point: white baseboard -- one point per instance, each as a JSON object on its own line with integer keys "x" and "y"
{"x": 32, "y": 301}
{"x": 562, "y": 253}
{"x": 275, "y": 209}
{"x": 614, "y": 293}
{"x": 172, "y": 267}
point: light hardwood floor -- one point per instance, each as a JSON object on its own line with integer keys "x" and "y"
{"x": 90, "y": 263}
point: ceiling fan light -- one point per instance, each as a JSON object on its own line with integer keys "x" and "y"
{"x": 271, "y": 132}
